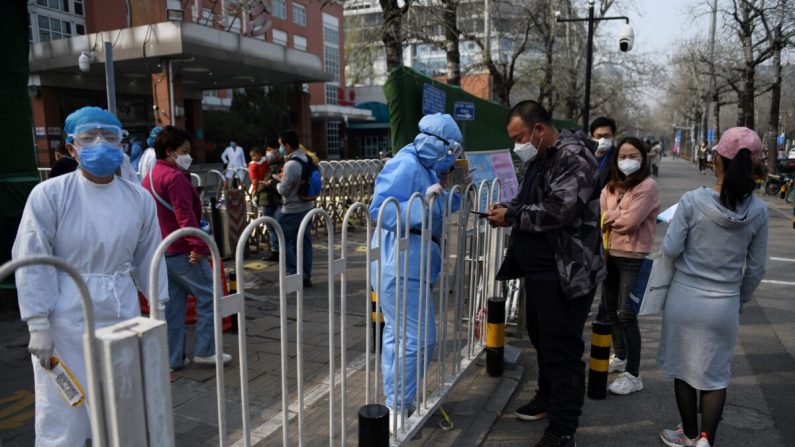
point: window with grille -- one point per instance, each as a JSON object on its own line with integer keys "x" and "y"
{"x": 333, "y": 139}
{"x": 331, "y": 93}
{"x": 52, "y": 29}
{"x": 279, "y": 9}
{"x": 299, "y": 14}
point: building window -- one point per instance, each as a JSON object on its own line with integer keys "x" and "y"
{"x": 279, "y": 9}
{"x": 299, "y": 14}
{"x": 60, "y": 5}
{"x": 331, "y": 35}
{"x": 299, "y": 42}
{"x": 80, "y": 29}
{"x": 52, "y": 29}
{"x": 279, "y": 37}
{"x": 333, "y": 139}
{"x": 332, "y": 96}
{"x": 78, "y": 6}
{"x": 331, "y": 61}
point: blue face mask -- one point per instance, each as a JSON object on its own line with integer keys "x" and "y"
{"x": 445, "y": 164}
{"x": 100, "y": 159}
{"x": 282, "y": 151}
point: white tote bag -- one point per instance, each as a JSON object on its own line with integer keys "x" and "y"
{"x": 662, "y": 272}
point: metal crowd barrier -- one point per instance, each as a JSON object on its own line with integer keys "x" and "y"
{"x": 470, "y": 252}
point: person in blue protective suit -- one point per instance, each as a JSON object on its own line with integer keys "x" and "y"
{"x": 105, "y": 227}
{"x": 415, "y": 168}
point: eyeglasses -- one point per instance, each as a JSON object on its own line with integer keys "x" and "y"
{"x": 86, "y": 134}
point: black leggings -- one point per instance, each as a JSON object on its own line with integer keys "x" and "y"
{"x": 712, "y": 403}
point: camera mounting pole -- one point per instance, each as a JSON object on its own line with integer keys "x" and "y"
{"x": 586, "y": 110}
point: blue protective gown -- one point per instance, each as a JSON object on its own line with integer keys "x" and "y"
{"x": 411, "y": 170}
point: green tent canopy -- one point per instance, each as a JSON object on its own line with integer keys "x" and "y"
{"x": 411, "y": 95}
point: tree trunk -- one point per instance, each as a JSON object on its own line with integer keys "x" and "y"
{"x": 716, "y": 117}
{"x": 390, "y": 33}
{"x": 745, "y": 100}
{"x": 775, "y": 109}
{"x": 450, "y": 24}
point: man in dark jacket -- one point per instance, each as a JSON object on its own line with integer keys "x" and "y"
{"x": 555, "y": 247}
{"x": 603, "y": 131}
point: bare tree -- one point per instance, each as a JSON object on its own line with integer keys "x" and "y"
{"x": 391, "y": 35}
{"x": 363, "y": 49}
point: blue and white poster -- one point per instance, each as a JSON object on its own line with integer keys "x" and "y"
{"x": 433, "y": 99}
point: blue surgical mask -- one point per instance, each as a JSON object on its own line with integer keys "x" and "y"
{"x": 100, "y": 159}
{"x": 444, "y": 164}
{"x": 282, "y": 151}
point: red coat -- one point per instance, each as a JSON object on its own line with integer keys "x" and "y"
{"x": 257, "y": 173}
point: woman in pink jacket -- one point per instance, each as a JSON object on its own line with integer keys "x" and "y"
{"x": 629, "y": 204}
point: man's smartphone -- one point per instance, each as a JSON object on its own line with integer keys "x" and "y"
{"x": 481, "y": 215}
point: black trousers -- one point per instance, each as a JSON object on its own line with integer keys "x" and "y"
{"x": 555, "y": 326}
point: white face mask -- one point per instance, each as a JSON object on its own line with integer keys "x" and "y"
{"x": 526, "y": 151}
{"x": 628, "y": 166}
{"x": 604, "y": 144}
{"x": 184, "y": 161}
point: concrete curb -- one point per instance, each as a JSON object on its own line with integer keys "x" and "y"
{"x": 493, "y": 409}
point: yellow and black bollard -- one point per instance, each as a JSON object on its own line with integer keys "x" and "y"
{"x": 375, "y": 327}
{"x": 495, "y": 336}
{"x": 601, "y": 338}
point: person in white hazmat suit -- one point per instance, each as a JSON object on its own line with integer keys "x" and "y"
{"x": 104, "y": 226}
{"x": 415, "y": 168}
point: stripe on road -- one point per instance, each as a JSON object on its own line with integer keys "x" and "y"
{"x": 773, "y": 258}
{"x": 783, "y": 283}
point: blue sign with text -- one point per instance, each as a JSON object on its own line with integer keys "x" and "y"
{"x": 710, "y": 136}
{"x": 433, "y": 99}
{"x": 464, "y": 111}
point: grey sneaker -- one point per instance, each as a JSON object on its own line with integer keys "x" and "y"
{"x": 676, "y": 438}
{"x": 210, "y": 360}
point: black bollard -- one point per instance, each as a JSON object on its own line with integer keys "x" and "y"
{"x": 373, "y": 425}
{"x": 495, "y": 336}
{"x": 600, "y": 359}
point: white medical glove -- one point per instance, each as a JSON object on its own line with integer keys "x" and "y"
{"x": 434, "y": 189}
{"x": 161, "y": 307}
{"x": 41, "y": 343}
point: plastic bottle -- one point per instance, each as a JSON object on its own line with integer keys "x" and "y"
{"x": 703, "y": 441}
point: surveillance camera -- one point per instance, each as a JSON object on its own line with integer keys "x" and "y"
{"x": 84, "y": 61}
{"x": 626, "y": 38}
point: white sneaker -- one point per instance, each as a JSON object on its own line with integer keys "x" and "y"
{"x": 210, "y": 360}
{"x": 616, "y": 364}
{"x": 626, "y": 383}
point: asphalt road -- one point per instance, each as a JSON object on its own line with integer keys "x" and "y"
{"x": 761, "y": 397}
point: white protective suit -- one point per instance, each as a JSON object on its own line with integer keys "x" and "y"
{"x": 413, "y": 169}
{"x": 109, "y": 233}
{"x": 234, "y": 158}
{"x": 147, "y": 162}
{"x": 127, "y": 171}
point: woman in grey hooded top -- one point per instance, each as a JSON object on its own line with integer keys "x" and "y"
{"x": 718, "y": 239}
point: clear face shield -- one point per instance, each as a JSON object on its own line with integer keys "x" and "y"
{"x": 92, "y": 133}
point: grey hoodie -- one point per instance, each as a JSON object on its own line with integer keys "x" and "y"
{"x": 716, "y": 249}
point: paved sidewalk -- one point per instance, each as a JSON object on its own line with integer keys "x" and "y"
{"x": 750, "y": 418}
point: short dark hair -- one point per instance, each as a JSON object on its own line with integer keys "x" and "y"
{"x": 530, "y": 112}
{"x": 617, "y": 178}
{"x": 170, "y": 138}
{"x": 272, "y": 143}
{"x": 290, "y": 137}
{"x": 603, "y": 121}
{"x": 257, "y": 150}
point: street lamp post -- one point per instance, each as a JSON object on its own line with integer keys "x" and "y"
{"x": 625, "y": 44}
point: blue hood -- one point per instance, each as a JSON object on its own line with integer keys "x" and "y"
{"x": 437, "y": 132}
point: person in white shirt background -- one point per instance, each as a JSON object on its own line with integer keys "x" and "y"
{"x": 234, "y": 158}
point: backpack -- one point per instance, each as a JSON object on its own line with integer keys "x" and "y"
{"x": 309, "y": 188}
